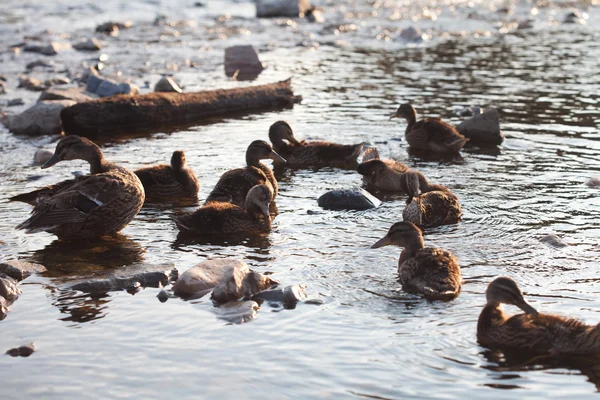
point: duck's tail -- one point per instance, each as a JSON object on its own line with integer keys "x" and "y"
{"x": 368, "y": 153}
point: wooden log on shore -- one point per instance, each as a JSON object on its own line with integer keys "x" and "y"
{"x": 162, "y": 111}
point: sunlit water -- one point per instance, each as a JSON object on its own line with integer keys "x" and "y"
{"x": 368, "y": 339}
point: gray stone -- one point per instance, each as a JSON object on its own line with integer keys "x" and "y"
{"x": 41, "y": 119}
{"x": 57, "y": 81}
{"x": 133, "y": 276}
{"x": 104, "y": 88}
{"x": 353, "y": 199}
{"x": 8, "y": 288}
{"x": 41, "y": 156}
{"x": 3, "y": 308}
{"x": 553, "y": 240}
{"x": 51, "y": 49}
{"x": 411, "y": 34}
{"x": 202, "y": 278}
{"x": 281, "y": 8}
{"x": 288, "y": 297}
{"x": 113, "y": 28}
{"x": 576, "y": 17}
{"x": 20, "y": 270}
{"x": 237, "y": 312}
{"x": 15, "y": 102}
{"x": 242, "y": 63}
{"x": 40, "y": 63}
{"x": 76, "y": 94}
{"x": 30, "y": 83}
{"x": 23, "y": 351}
{"x": 240, "y": 283}
{"x": 88, "y": 44}
{"x": 593, "y": 183}
{"x": 2, "y": 88}
{"x": 482, "y": 129}
{"x": 167, "y": 84}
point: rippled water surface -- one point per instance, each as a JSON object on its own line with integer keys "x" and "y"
{"x": 368, "y": 338}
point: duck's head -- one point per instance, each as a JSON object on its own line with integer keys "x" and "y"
{"x": 74, "y": 148}
{"x": 402, "y": 234}
{"x": 178, "y": 160}
{"x": 406, "y": 111}
{"x": 505, "y": 290}
{"x": 258, "y": 198}
{"x": 281, "y": 130}
{"x": 371, "y": 167}
{"x": 261, "y": 150}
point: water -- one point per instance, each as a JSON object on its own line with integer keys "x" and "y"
{"x": 368, "y": 339}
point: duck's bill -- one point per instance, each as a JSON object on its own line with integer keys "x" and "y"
{"x": 265, "y": 209}
{"x": 527, "y": 308}
{"x": 384, "y": 241}
{"x": 277, "y": 158}
{"x": 394, "y": 115}
{"x": 53, "y": 160}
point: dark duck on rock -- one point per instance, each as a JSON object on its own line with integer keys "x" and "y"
{"x": 429, "y": 134}
{"x": 86, "y": 207}
{"x": 312, "y": 153}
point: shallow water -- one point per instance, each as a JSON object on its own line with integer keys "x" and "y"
{"x": 368, "y": 339}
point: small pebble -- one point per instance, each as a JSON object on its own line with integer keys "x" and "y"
{"x": 163, "y": 296}
{"x": 553, "y": 240}
{"x": 23, "y": 351}
{"x": 593, "y": 183}
{"x": 41, "y": 156}
{"x": 15, "y": 102}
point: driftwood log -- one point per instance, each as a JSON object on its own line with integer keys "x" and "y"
{"x": 164, "y": 111}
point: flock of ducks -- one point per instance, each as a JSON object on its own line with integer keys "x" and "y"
{"x": 105, "y": 201}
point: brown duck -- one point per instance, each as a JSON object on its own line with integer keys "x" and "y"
{"x": 383, "y": 176}
{"x": 225, "y": 218}
{"x": 87, "y": 207}
{"x": 233, "y": 186}
{"x": 429, "y": 134}
{"x": 432, "y": 272}
{"x": 368, "y": 170}
{"x": 169, "y": 182}
{"x": 532, "y": 331}
{"x": 312, "y": 153}
{"x": 434, "y": 208}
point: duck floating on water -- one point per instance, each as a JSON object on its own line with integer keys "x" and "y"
{"x": 375, "y": 174}
{"x": 224, "y": 218}
{"x": 435, "y": 208}
{"x": 89, "y": 206}
{"x": 312, "y": 153}
{"x": 429, "y": 271}
{"x": 233, "y": 186}
{"x": 165, "y": 182}
{"x": 532, "y": 331}
{"x": 429, "y": 134}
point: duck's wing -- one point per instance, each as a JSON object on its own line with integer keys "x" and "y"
{"x": 158, "y": 175}
{"x": 233, "y": 186}
{"x": 35, "y": 196}
{"x": 442, "y": 136}
{"x": 370, "y": 153}
{"x": 438, "y": 208}
{"x": 434, "y": 273}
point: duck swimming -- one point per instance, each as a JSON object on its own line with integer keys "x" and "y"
{"x": 169, "y": 182}
{"x": 429, "y": 134}
{"x": 531, "y": 331}
{"x": 432, "y": 272}
{"x": 233, "y": 186}
{"x": 434, "y": 208}
{"x": 89, "y": 206}
{"x": 312, "y": 153}
{"x": 223, "y": 218}
{"x": 376, "y": 177}
{"x": 380, "y": 175}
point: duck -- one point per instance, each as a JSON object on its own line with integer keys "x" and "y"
{"x": 393, "y": 178}
{"x": 431, "y": 272}
{"x": 216, "y": 218}
{"x": 371, "y": 153}
{"x": 429, "y": 134}
{"x": 165, "y": 182}
{"x": 312, "y": 154}
{"x": 89, "y": 206}
{"x": 532, "y": 331}
{"x": 433, "y": 208}
{"x": 234, "y": 185}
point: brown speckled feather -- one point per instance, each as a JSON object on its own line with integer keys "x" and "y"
{"x": 222, "y": 218}
{"x": 433, "y": 134}
{"x": 433, "y": 272}
{"x": 320, "y": 154}
{"x": 233, "y": 186}
{"x": 433, "y": 209}
{"x": 163, "y": 183}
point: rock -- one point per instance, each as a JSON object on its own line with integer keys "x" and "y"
{"x": 593, "y": 183}
{"x": 2, "y": 88}
{"x": 167, "y": 84}
{"x": 133, "y": 276}
{"x": 113, "y": 28}
{"x": 553, "y": 240}
{"x": 15, "y": 102}
{"x": 41, "y": 119}
{"x": 468, "y": 111}
{"x": 281, "y": 8}
{"x": 242, "y": 63}
{"x": 78, "y": 95}
{"x": 41, "y": 156}
{"x": 88, "y": 44}
{"x": 163, "y": 296}
{"x": 3, "y": 308}
{"x": 23, "y": 351}
{"x": 3, "y": 78}
{"x": 352, "y": 199}
{"x": 576, "y": 17}
{"x": 237, "y": 312}
{"x": 315, "y": 15}
{"x": 50, "y": 49}
{"x": 39, "y": 63}
{"x": 483, "y": 129}
{"x": 105, "y": 88}
{"x": 288, "y": 296}
{"x": 199, "y": 4}
{"x": 202, "y": 278}
{"x": 240, "y": 283}
{"x": 29, "y": 83}
{"x": 411, "y": 34}
{"x": 8, "y": 288}
{"x": 20, "y": 270}
{"x": 56, "y": 81}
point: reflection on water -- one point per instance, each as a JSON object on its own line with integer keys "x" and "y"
{"x": 80, "y": 307}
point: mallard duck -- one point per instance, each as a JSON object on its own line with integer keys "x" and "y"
{"x": 312, "y": 153}
{"x": 429, "y": 134}
{"x": 368, "y": 171}
{"x": 224, "y": 218}
{"x": 396, "y": 178}
{"x": 89, "y": 206}
{"x": 233, "y": 186}
{"x": 429, "y": 271}
{"x": 538, "y": 333}
{"x": 169, "y": 182}
{"x": 438, "y": 207}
